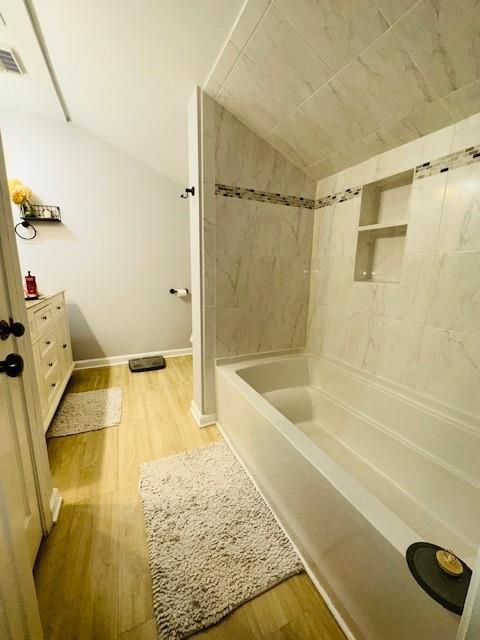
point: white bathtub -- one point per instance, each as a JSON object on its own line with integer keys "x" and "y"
{"x": 355, "y": 471}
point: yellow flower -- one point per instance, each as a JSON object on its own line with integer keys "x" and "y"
{"x": 19, "y": 193}
{"x": 13, "y": 183}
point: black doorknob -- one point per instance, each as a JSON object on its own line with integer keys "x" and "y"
{"x": 15, "y": 328}
{"x": 12, "y": 365}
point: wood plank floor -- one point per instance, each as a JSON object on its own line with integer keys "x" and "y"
{"x": 92, "y": 574}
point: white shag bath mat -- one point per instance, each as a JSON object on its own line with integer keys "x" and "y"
{"x": 213, "y": 541}
{"x": 87, "y": 411}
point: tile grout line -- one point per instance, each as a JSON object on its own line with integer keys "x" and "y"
{"x": 242, "y": 50}
{"x": 344, "y": 66}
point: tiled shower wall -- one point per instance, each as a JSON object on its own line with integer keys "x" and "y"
{"x": 261, "y": 241}
{"x": 423, "y": 332}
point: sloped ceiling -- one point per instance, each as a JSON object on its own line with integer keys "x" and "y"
{"x": 32, "y": 92}
{"x": 126, "y": 69}
{"x": 333, "y": 82}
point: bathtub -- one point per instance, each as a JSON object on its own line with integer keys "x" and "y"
{"x": 355, "y": 470}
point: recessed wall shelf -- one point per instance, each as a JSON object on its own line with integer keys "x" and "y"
{"x": 383, "y": 229}
{"x": 372, "y": 227}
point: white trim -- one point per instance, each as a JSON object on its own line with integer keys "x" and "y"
{"x": 202, "y": 419}
{"x": 56, "y": 502}
{"x": 111, "y": 361}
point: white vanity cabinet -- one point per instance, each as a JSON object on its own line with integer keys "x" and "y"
{"x": 52, "y": 350}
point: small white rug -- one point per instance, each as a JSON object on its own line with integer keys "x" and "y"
{"x": 213, "y": 541}
{"x": 87, "y": 411}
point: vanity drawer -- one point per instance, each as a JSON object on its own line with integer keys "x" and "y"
{"x": 52, "y": 383}
{"x": 50, "y": 360}
{"x": 47, "y": 341}
{"x": 43, "y": 320}
{"x": 57, "y": 307}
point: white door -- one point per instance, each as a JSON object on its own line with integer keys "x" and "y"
{"x": 20, "y": 524}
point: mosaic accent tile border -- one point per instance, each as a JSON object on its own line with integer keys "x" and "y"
{"x": 229, "y": 191}
{"x": 446, "y": 163}
{"x": 341, "y": 196}
{"x": 263, "y": 196}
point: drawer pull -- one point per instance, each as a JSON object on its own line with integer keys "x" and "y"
{"x": 58, "y": 308}
{"x": 44, "y": 317}
{"x": 64, "y": 346}
{"x": 48, "y": 342}
{"x": 54, "y": 384}
{"x": 50, "y": 364}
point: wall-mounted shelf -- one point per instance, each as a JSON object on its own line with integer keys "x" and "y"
{"x": 40, "y": 212}
{"x": 383, "y": 229}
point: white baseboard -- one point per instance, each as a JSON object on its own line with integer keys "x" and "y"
{"x": 56, "y": 501}
{"x": 111, "y": 361}
{"x": 202, "y": 419}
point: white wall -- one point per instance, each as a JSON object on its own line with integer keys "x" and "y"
{"x": 122, "y": 244}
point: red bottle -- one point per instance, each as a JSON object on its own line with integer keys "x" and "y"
{"x": 31, "y": 284}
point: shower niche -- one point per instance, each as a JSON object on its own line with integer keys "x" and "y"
{"x": 382, "y": 229}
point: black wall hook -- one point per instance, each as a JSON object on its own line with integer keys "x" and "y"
{"x": 188, "y": 191}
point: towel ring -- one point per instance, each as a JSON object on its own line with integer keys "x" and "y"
{"x": 26, "y": 224}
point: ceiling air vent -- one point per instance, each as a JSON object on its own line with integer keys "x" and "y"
{"x": 9, "y": 61}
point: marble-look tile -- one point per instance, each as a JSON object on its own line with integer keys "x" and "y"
{"x": 243, "y": 159}
{"x": 332, "y": 280}
{"x": 322, "y": 231}
{"x": 394, "y": 9}
{"x": 244, "y": 94}
{"x": 223, "y": 65}
{"x": 434, "y": 145}
{"x": 362, "y": 297}
{"x": 262, "y": 229}
{"x": 429, "y": 118}
{"x": 289, "y": 67}
{"x": 337, "y": 29}
{"x": 261, "y": 280}
{"x": 455, "y": 302}
{"x": 357, "y": 341}
{"x": 386, "y": 82}
{"x": 343, "y": 231}
{"x": 466, "y": 133}
{"x": 248, "y": 20}
{"x": 208, "y": 160}
{"x": 448, "y": 368}
{"x": 423, "y": 332}
{"x": 406, "y": 142}
{"x": 243, "y": 330}
{"x": 209, "y": 358}
{"x": 425, "y": 213}
{"x": 211, "y": 86}
{"x": 330, "y": 166}
{"x": 408, "y": 300}
{"x": 460, "y": 225}
{"x": 442, "y": 38}
{"x": 464, "y": 102}
{"x": 208, "y": 194}
{"x": 326, "y": 187}
{"x": 393, "y": 348}
{"x": 364, "y": 171}
{"x": 208, "y": 115}
{"x": 285, "y": 142}
{"x": 329, "y": 120}
{"x": 326, "y": 329}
